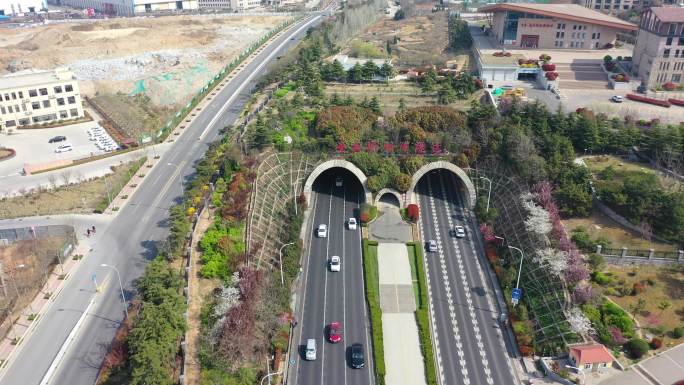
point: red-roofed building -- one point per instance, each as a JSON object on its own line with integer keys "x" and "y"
{"x": 592, "y": 357}
{"x": 532, "y": 25}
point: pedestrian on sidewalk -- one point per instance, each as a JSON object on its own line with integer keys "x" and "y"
{"x": 88, "y": 233}
{"x": 93, "y": 229}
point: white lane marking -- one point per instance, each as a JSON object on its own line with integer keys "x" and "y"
{"x": 488, "y": 293}
{"x": 343, "y": 266}
{"x": 325, "y": 284}
{"x": 366, "y": 335}
{"x": 466, "y": 286}
{"x": 249, "y": 78}
{"x": 168, "y": 183}
{"x": 306, "y": 273}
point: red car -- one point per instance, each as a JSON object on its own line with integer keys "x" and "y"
{"x": 335, "y": 332}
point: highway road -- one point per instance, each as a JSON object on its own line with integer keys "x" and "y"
{"x": 129, "y": 242}
{"x": 471, "y": 348}
{"x": 333, "y": 296}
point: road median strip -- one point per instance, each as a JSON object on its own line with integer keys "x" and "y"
{"x": 370, "y": 273}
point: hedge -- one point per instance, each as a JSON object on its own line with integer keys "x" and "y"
{"x": 370, "y": 276}
{"x": 423, "y": 315}
{"x": 657, "y": 102}
{"x": 676, "y": 102}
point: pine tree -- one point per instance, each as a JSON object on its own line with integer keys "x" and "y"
{"x": 337, "y": 71}
{"x": 402, "y": 105}
{"x": 261, "y": 136}
{"x": 374, "y": 104}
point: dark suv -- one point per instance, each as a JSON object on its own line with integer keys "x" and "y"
{"x": 57, "y": 139}
{"x": 358, "y": 360}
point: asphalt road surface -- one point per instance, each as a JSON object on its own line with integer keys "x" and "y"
{"x": 333, "y": 296}
{"x": 471, "y": 348}
{"x": 130, "y": 241}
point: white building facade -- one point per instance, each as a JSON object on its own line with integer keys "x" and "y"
{"x": 131, "y": 7}
{"x": 38, "y": 97}
{"x": 21, "y": 7}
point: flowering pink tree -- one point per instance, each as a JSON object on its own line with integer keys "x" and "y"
{"x": 616, "y": 336}
{"x": 583, "y": 293}
{"x": 486, "y": 232}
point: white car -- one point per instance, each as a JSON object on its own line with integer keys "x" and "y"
{"x": 616, "y": 99}
{"x": 335, "y": 263}
{"x": 322, "y": 231}
{"x": 64, "y": 148}
{"x": 338, "y": 181}
{"x": 351, "y": 223}
{"x": 458, "y": 232}
{"x": 431, "y": 245}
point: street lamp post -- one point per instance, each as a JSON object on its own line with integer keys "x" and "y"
{"x": 120, "y": 286}
{"x": 522, "y": 256}
{"x": 580, "y": 371}
{"x": 489, "y": 190}
{"x": 280, "y": 257}
{"x": 16, "y": 286}
{"x": 269, "y": 375}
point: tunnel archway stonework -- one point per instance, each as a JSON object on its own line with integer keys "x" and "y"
{"x": 321, "y": 168}
{"x": 442, "y": 164}
{"x": 391, "y": 192}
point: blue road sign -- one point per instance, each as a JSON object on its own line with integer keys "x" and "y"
{"x": 516, "y": 294}
{"x": 93, "y": 277}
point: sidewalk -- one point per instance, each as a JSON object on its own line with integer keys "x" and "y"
{"x": 22, "y": 326}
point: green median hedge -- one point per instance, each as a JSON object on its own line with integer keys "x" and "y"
{"x": 370, "y": 274}
{"x": 423, "y": 314}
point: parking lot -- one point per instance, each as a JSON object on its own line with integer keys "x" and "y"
{"x": 32, "y": 146}
{"x": 666, "y": 368}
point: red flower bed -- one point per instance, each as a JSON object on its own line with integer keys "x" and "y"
{"x": 552, "y": 75}
{"x": 549, "y": 67}
{"x": 676, "y": 102}
{"x": 657, "y": 102}
{"x": 413, "y": 212}
{"x": 669, "y": 86}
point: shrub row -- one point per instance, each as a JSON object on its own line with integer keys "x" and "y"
{"x": 102, "y": 206}
{"x": 657, "y": 102}
{"x": 423, "y": 316}
{"x": 676, "y": 102}
{"x": 370, "y": 276}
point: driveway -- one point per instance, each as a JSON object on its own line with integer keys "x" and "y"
{"x": 664, "y": 369}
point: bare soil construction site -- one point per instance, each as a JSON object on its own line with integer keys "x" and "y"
{"x": 164, "y": 59}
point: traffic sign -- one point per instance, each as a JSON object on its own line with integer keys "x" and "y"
{"x": 93, "y": 277}
{"x": 515, "y": 294}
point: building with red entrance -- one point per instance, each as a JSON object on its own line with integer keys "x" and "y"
{"x": 549, "y": 26}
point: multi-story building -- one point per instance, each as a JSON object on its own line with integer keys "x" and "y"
{"x": 19, "y": 7}
{"x": 612, "y": 6}
{"x": 235, "y": 5}
{"x": 129, "y": 7}
{"x": 530, "y": 25}
{"x": 38, "y": 97}
{"x": 659, "y": 51}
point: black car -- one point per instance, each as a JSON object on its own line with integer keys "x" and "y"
{"x": 57, "y": 139}
{"x": 358, "y": 360}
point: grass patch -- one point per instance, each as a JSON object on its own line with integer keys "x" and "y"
{"x": 660, "y": 284}
{"x": 621, "y": 166}
{"x": 601, "y": 226}
{"x": 116, "y": 188}
{"x": 370, "y": 275}
{"x": 422, "y": 312}
{"x": 78, "y": 197}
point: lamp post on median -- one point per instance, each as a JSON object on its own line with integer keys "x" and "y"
{"x": 267, "y": 376}
{"x": 517, "y": 283}
{"x": 280, "y": 257}
{"x": 120, "y": 286}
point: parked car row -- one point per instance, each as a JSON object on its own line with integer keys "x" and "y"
{"x": 102, "y": 139}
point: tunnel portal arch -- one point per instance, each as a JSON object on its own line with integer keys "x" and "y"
{"x": 333, "y": 163}
{"x": 442, "y": 164}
